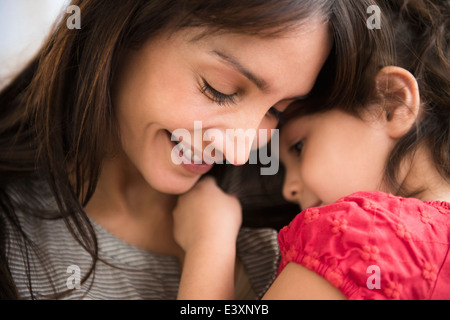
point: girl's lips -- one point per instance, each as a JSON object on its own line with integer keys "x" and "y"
{"x": 317, "y": 204}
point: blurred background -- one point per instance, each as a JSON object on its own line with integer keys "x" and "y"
{"x": 24, "y": 24}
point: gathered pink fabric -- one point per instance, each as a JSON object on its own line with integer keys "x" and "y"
{"x": 373, "y": 245}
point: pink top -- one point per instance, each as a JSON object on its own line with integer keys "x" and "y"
{"x": 373, "y": 245}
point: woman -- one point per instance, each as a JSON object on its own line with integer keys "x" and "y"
{"x": 87, "y": 182}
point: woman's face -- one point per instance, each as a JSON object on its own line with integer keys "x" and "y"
{"x": 225, "y": 81}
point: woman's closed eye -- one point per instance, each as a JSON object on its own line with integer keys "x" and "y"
{"x": 274, "y": 112}
{"x": 216, "y": 96}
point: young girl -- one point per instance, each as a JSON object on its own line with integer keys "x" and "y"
{"x": 373, "y": 178}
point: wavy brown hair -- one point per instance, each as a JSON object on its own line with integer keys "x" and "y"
{"x": 56, "y": 116}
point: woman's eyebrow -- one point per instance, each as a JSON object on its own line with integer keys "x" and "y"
{"x": 260, "y": 83}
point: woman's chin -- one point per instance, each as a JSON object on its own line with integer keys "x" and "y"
{"x": 173, "y": 184}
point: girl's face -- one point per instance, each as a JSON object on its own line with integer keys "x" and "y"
{"x": 331, "y": 155}
{"x": 226, "y": 81}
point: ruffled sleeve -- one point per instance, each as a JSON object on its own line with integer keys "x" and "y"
{"x": 370, "y": 245}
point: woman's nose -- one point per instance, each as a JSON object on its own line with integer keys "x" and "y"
{"x": 246, "y": 134}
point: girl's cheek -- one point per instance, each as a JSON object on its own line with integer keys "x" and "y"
{"x": 316, "y": 181}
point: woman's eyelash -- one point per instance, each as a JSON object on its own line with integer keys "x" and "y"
{"x": 275, "y": 113}
{"x": 215, "y": 96}
{"x": 297, "y": 147}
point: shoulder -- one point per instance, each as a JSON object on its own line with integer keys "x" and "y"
{"x": 343, "y": 241}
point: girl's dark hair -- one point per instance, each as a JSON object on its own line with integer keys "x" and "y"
{"x": 421, "y": 33}
{"x": 56, "y": 116}
{"x": 420, "y": 44}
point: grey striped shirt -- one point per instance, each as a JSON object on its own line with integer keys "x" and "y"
{"x": 125, "y": 272}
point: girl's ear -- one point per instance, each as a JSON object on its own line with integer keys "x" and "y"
{"x": 400, "y": 91}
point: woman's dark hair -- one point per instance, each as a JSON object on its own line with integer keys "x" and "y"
{"x": 56, "y": 116}
{"x": 420, "y": 44}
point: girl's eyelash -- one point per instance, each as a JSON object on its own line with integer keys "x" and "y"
{"x": 215, "y": 96}
{"x": 297, "y": 147}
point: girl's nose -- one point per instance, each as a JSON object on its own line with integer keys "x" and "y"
{"x": 291, "y": 190}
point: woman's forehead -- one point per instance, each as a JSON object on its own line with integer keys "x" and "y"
{"x": 289, "y": 61}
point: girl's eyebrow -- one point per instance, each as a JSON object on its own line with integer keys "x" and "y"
{"x": 258, "y": 81}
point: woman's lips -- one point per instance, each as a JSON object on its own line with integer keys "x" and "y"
{"x": 187, "y": 153}
{"x": 193, "y": 159}
{"x": 197, "y": 169}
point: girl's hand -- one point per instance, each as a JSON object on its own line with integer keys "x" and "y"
{"x": 206, "y": 214}
{"x": 206, "y": 225}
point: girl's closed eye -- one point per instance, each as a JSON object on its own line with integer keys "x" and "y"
{"x": 298, "y": 147}
{"x": 216, "y": 96}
